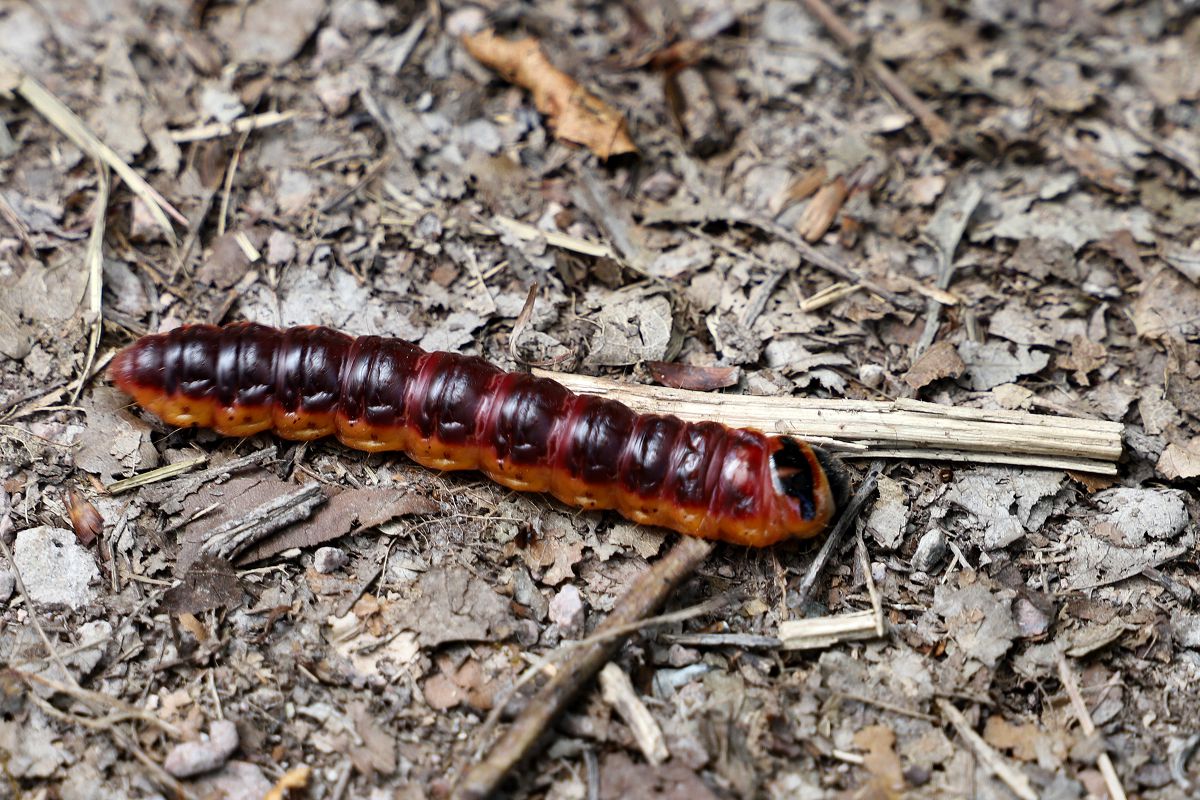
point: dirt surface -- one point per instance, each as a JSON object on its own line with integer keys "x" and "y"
{"x": 1039, "y": 250}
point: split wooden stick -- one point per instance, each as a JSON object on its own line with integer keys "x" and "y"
{"x": 882, "y": 429}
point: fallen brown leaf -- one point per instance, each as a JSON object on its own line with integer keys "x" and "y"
{"x": 822, "y": 209}
{"x": 1179, "y": 462}
{"x": 687, "y": 376}
{"x": 85, "y": 519}
{"x": 209, "y": 583}
{"x": 940, "y": 361}
{"x": 575, "y": 114}
{"x": 1084, "y": 357}
{"x": 295, "y": 778}
{"x": 1090, "y": 482}
{"x": 887, "y": 777}
{"x": 1020, "y": 740}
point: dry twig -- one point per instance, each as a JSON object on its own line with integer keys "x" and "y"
{"x": 649, "y": 592}
{"x": 818, "y": 633}
{"x": 834, "y": 538}
{"x": 617, "y": 690}
{"x": 991, "y": 761}
{"x": 236, "y": 535}
{"x": 155, "y": 475}
{"x": 94, "y": 260}
{"x": 213, "y": 130}
{"x": 934, "y": 125}
{"x": 1112, "y": 781}
{"x": 888, "y": 429}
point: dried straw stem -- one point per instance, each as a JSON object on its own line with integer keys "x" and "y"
{"x": 888, "y": 429}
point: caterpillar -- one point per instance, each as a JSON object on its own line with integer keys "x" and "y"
{"x": 452, "y": 412}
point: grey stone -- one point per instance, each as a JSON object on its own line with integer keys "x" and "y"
{"x": 329, "y": 559}
{"x": 1187, "y": 630}
{"x": 54, "y": 568}
{"x": 194, "y": 758}
{"x": 930, "y": 550}
{"x": 871, "y": 375}
{"x": 566, "y": 611}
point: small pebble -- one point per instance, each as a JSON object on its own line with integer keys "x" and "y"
{"x": 660, "y": 186}
{"x": 8, "y": 584}
{"x": 527, "y": 633}
{"x": 930, "y": 550}
{"x": 680, "y": 656}
{"x": 193, "y": 758}
{"x": 1030, "y": 619}
{"x": 566, "y": 611}
{"x": 871, "y": 375}
{"x": 96, "y": 631}
{"x": 464, "y": 21}
{"x": 528, "y": 594}
{"x": 329, "y": 559}
{"x": 1187, "y": 630}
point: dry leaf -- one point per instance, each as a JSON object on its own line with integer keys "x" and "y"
{"x": 1178, "y": 462}
{"x": 940, "y": 361}
{"x": 822, "y": 210}
{"x": 687, "y": 376}
{"x": 992, "y": 363}
{"x": 1084, "y": 357}
{"x": 193, "y": 626}
{"x": 209, "y": 583}
{"x": 802, "y": 188}
{"x": 295, "y": 778}
{"x": 575, "y": 114}
{"x": 887, "y": 778}
{"x": 85, "y": 519}
{"x": 1020, "y": 740}
{"x": 621, "y": 777}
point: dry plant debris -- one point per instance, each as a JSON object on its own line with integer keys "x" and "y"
{"x": 959, "y": 230}
{"x": 575, "y": 114}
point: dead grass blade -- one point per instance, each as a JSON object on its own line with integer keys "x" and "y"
{"x": 70, "y": 125}
{"x": 94, "y": 259}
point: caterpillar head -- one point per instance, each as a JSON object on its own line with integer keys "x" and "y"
{"x": 811, "y": 487}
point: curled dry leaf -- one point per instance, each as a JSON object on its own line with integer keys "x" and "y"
{"x": 575, "y": 114}
{"x": 939, "y": 361}
{"x": 689, "y": 376}
{"x": 85, "y": 519}
{"x": 821, "y": 211}
{"x": 295, "y": 778}
{"x": 1180, "y": 461}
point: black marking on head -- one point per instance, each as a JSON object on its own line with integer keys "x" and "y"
{"x": 836, "y": 475}
{"x": 793, "y": 477}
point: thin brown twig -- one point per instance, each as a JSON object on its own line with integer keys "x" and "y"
{"x": 835, "y": 536}
{"x": 649, "y": 592}
{"x": 99, "y": 700}
{"x": 94, "y": 261}
{"x": 1111, "y": 780}
{"x": 227, "y": 185}
{"x": 566, "y": 648}
{"x": 935, "y": 126}
{"x": 988, "y": 758}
